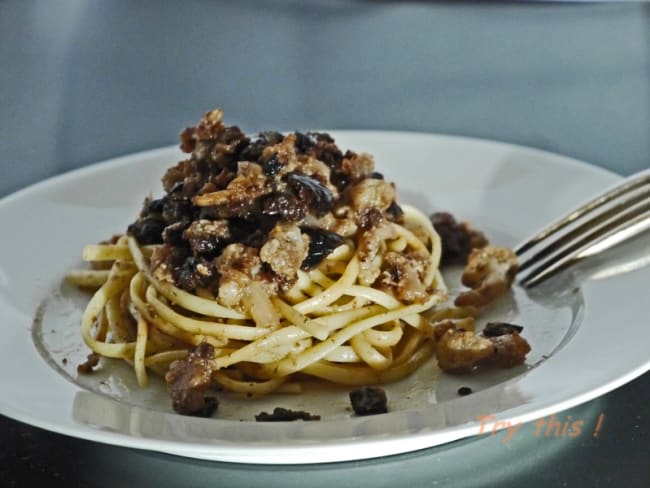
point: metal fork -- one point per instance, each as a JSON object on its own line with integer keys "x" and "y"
{"x": 618, "y": 214}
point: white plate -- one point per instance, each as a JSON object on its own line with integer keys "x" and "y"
{"x": 586, "y": 341}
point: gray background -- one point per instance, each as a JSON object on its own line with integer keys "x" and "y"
{"x": 87, "y": 80}
{"x": 83, "y": 81}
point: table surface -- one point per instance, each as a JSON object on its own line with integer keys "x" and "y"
{"x": 83, "y": 81}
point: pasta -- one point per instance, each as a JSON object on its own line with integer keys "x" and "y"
{"x": 329, "y": 326}
{"x": 268, "y": 263}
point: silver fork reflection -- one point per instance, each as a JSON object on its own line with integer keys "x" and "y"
{"x": 612, "y": 217}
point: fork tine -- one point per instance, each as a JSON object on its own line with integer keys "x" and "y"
{"x": 626, "y": 214}
{"x": 631, "y": 183}
{"x": 625, "y": 226}
{"x": 582, "y": 229}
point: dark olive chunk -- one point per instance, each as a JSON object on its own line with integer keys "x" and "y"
{"x": 285, "y": 415}
{"x": 321, "y": 243}
{"x": 195, "y": 272}
{"x": 272, "y": 166}
{"x": 147, "y": 230}
{"x": 495, "y": 329}
{"x": 369, "y": 400}
{"x": 304, "y": 142}
{"x": 458, "y": 239}
{"x": 320, "y": 198}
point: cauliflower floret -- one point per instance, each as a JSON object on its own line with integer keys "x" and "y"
{"x": 369, "y": 194}
{"x": 285, "y": 250}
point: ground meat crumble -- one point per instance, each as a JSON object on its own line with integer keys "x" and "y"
{"x": 489, "y": 273}
{"x": 273, "y": 204}
{"x": 88, "y": 366}
{"x": 461, "y": 351}
{"x": 190, "y": 382}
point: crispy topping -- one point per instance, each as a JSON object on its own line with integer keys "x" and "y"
{"x": 207, "y": 236}
{"x": 370, "y": 194}
{"x": 461, "y": 351}
{"x": 489, "y": 273}
{"x": 236, "y": 190}
{"x": 285, "y": 250}
{"x": 404, "y": 275}
{"x": 238, "y": 197}
{"x": 371, "y": 244}
{"x": 510, "y": 350}
{"x": 284, "y": 415}
{"x": 236, "y": 266}
{"x": 310, "y": 190}
{"x": 88, "y": 366}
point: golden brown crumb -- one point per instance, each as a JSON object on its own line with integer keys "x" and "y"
{"x": 489, "y": 273}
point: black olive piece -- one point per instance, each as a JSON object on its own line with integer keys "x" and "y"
{"x": 147, "y": 230}
{"x": 240, "y": 228}
{"x": 340, "y": 180}
{"x": 177, "y": 209}
{"x": 269, "y": 137}
{"x": 210, "y": 405}
{"x": 176, "y": 256}
{"x": 376, "y": 176}
{"x": 273, "y": 166}
{"x": 207, "y": 245}
{"x": 321, "y": 136}
{"x": 153, "y": 206}
{"x": 394, "y": 210}
{"x": 188, "y": 277}
{"x": 208, "y": 213}
{"x": 464, "y": 390}
{"x": 173, "y": 234}
{"x": 255, "y": 239}
{"x": 321, "y": 243}
{"x": 222, "y": 178}
{"x": 281, "y": 414}
{"x": 320, "y": 198}
{"x": 185, "y": 275}
{"x": 495, "y": 329}
{"x": 456, "y": 242}
{"x": 369, "y": 400}
{"x": 325, "y": 150}
{"x": 253, "y": 151}
{"x": 235, "y": 139}
{"x": 304, "y": 142}
{"x": 177, "y": 187}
